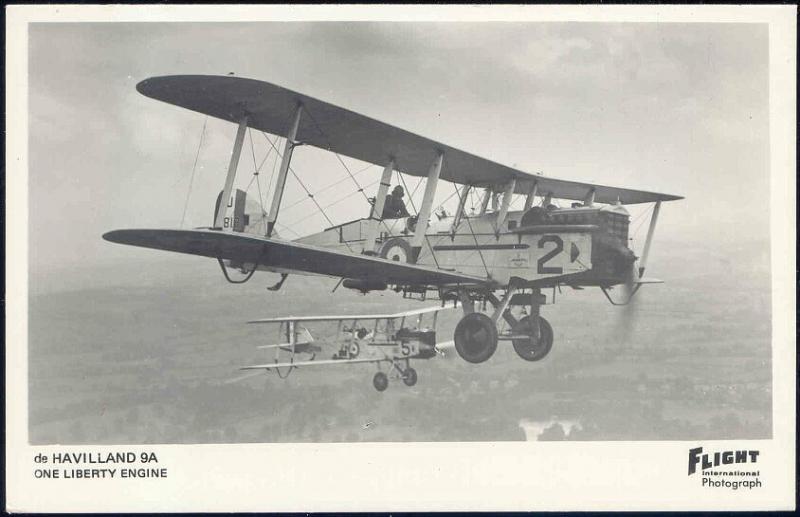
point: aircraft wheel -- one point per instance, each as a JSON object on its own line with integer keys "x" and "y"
{"x": 533, "y": 349}
{"x": 396, "y": 249}
{"x": 380, "y": 381}
{"x": 475, "y": 337}
{"x": 410, "y": 376}
{"x": 354, "y": 349}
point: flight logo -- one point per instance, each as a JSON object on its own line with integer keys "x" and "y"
{"x": 716, "y": 472}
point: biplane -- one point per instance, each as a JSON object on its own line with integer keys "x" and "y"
{"x": 501, "y": 257}
{"x": 392, "y": 340}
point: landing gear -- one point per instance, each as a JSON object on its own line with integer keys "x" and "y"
{"x": 279, "y": 284}
{"x": 476, "y": 334}
{"x": 537, "y": 346}
{"x": 475, "y": 337}
{"x": 410, "y": 376}
{"x": 380, "y": 381}
{"x": 407, "y": 374}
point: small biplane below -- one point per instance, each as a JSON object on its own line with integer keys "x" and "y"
{"x": 498, "y": 256}
{"x": 391, "y": 340}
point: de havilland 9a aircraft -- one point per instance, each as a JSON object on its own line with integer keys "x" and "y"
{"x": 493, "y": 256}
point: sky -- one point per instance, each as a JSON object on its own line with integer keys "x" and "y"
{"x": 676, "y": 108}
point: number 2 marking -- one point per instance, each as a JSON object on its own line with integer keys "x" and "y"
{"x": 542, "y": 269}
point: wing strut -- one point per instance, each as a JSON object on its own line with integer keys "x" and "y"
{"x": 487, "y": 194}
{"x": 650, "y": 231}
{"x": 222, "y": 213}
{"x": 288, "y": 148}
{"x": 501, "y": 217}
{"x": 377, "y": 208}
{"x": 589, "y": 199}
{"x": 530, "y": 196}
{"x": 462, "y": 202}
{"x": 427, "y": 202}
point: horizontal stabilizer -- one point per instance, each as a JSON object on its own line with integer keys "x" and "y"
{"x": 283, "y": 345}
{"x": 648, "y": 281}
{"x": 241, "y": 378}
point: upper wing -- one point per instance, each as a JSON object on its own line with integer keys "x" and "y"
{"x": 269, "y": 108}
{"x": 252, "y": 249}
{"x": 353, "y": 317}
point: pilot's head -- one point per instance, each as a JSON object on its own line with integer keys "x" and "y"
{"x": 398, "y": 191}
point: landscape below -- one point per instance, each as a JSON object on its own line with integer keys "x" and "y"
{"x": 142, "y": 352}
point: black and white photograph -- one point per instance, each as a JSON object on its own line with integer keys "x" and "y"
{"x": 400, "y": 231}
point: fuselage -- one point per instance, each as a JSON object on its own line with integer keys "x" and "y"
{"x": 577, "y": 246}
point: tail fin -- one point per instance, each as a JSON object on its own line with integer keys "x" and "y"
{"x": 243, "y": 214}
{"x": 304, "y": 335}
{"x": 232, "y": 221}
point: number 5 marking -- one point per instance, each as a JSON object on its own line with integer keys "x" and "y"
{"x": 552, "y": 253}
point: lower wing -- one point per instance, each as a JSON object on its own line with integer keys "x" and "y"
{"x": 289, "y": 256}
{"x": 326, "y": 362}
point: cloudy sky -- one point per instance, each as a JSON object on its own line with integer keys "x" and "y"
{"x": 676, "y": 108}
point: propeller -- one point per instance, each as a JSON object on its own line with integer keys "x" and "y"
{"x": 626, "y": 316}
{"x": 446, "y": 350}
{"x": 631, "y": 285}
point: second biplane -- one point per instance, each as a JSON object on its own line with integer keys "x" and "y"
{"x": 498, "y": 256}
{"x": 391, "y": 340}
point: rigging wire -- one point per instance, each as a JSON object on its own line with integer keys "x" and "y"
{"x": 247, "y": 189}
{"x": 639, "y": 215}
{"x": 296, "y": 177}
{"x": 472, "y": 200}
{"x": 331, "y": 204}
{"x": 475, "y": 238}
{"x": 411, "y": 195}
{"x": 323, "y": 189}
{"x": 257, "y": 170}
{"x": 325, "y": 136}
{"x": 514, "y": 199}
{"x": 419, "y": 182}
{"x": 194, "y": 168}
{"x": 282, "y": 227}
{"x": 641, "y": 222}
{"x": 350, "y": 174}
{"x": 338, "y": 157}
{"x": 433, "y": 254}
{"x": 274, "y": 164}
{"x": 440, "y": 205}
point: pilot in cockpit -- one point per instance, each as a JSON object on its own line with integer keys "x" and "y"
{"x": 394, "y": 208}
